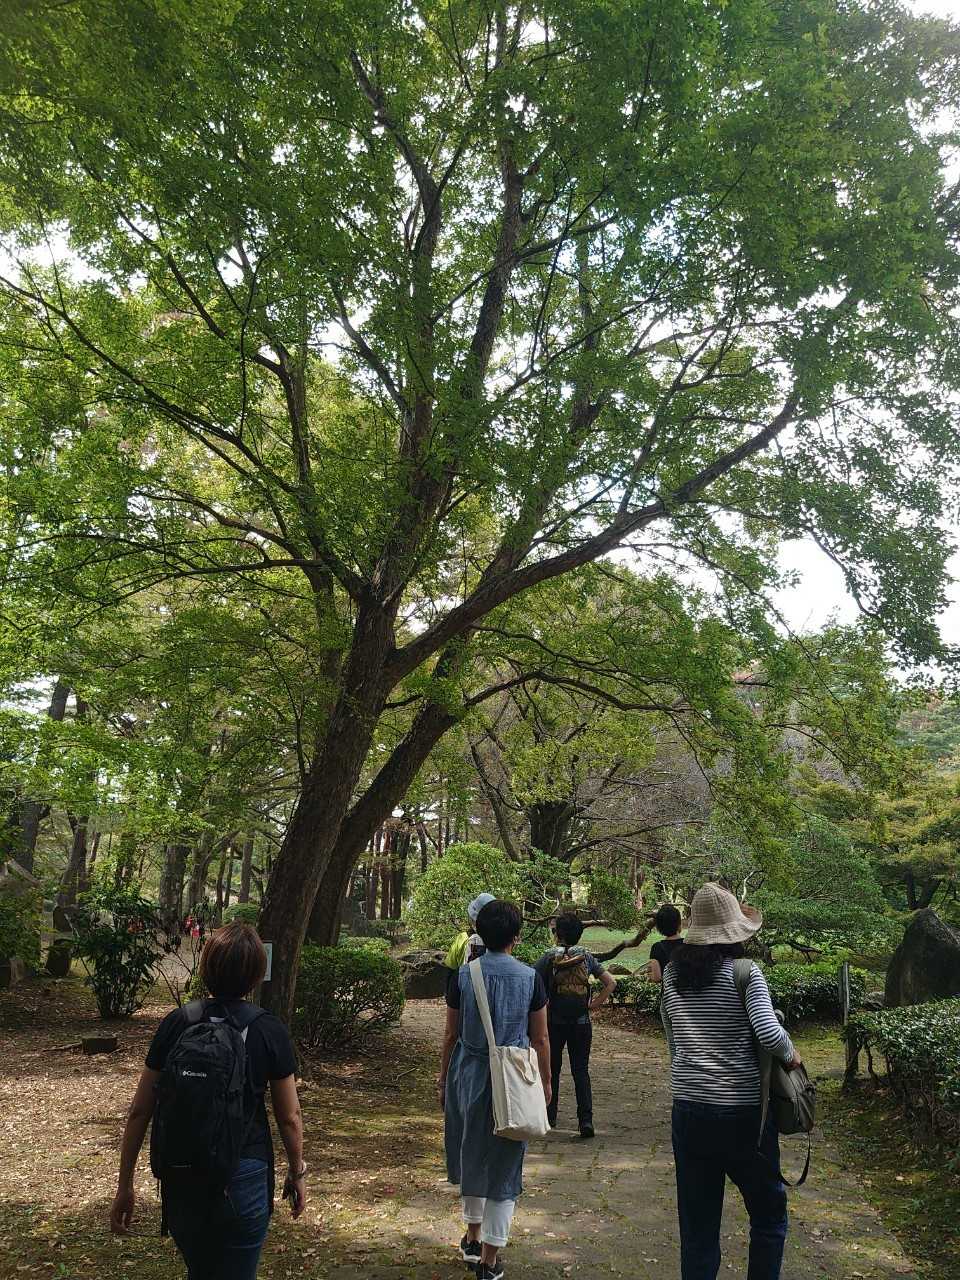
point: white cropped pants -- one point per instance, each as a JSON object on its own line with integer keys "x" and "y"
{"x": 494, "y": 1216}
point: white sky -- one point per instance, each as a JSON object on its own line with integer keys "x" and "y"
{"x": 821, "y": 593}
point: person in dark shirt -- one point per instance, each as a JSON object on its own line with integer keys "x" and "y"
{"x": 221, "y": 1238}
{"x": 667, "y": 922}
{"x": 566, "y": 971}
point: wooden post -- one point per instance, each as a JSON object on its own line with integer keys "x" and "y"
{"x": 852, "y": 1054}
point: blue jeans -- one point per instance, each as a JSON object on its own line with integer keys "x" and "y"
{"x": 710, "y": 1144}
{"x": 221, "y": 1239}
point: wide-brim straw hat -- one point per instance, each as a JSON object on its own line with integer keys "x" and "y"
{"x": 717, "y": 917}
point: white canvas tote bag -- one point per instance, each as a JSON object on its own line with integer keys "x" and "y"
{"x": 519, "y": 1108}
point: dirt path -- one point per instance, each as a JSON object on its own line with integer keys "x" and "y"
{"x": 607, "y": 1207}
{"x": 380, "y": 1206}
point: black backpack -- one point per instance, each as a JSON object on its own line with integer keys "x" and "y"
{"x": 569, "y": 987}
{"x": 199, "y": 1126}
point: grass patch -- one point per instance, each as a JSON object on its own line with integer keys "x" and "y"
{"x": 633, "y": 958}
{"x": 913, "y": 1185}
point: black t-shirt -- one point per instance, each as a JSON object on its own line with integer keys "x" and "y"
{"x": 270, "y": 1056}
{"x": 662, "y": 951}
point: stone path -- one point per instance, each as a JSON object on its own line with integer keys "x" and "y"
{"x": 607, "y": 1207}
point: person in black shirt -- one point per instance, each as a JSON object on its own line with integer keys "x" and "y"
{"x": 667, "y": 922}
{"x": 220, "y": 1238}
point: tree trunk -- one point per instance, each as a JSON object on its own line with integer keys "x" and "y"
{"x": 32, "y": 811}
{"x": 424, "y": 849}
{"x": 197, "y": 889}
{"x": 373, "y": 880}
{"x": 73, "y": 880}
{"x": 550, "y": 827}
{"x": 246, "y": 869}
{"x": 361, "y": 826}
{"x": 398, "y": 872}
{"x": 221, "y": 867}
{"x": 171, "y": 882}
{"x": 911, "y": 888}
{"x": 229, "y": 884}
{"x": 325, "y": 796}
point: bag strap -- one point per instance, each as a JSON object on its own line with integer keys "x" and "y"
{"x": 195, "y": 1012}
{"x": 483, "y": 1004}
{"x": 742, "y": 973}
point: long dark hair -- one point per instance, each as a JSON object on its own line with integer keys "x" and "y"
{"x": 694, "y": 968}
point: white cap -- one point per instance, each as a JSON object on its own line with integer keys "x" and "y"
{"x": 477, "y": 905}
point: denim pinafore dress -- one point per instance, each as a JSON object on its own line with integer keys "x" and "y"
{"x": 477, "y": 1160}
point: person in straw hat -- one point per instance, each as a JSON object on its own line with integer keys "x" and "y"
{"x": 715, "y": 1079}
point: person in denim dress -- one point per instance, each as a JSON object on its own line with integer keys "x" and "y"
{"x": 220, "y": 1236}
{"x": 488, "y": 1169}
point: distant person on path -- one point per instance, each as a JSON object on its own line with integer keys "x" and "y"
{"x": 218, "y": 1199}
{"x": 488, "y": 1169}
{"x": 715, "y": 1079}
{"x": 468, "y": 944}
{"x": 566, "y": 971}
{"x": 667, "y": 923}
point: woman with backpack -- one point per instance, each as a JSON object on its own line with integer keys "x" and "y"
{"x": 203, "y": 1087}
{"x": 488, "y": 1168}
{"x": 715, "y": 1078}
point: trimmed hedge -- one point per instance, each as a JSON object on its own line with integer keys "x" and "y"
{"x": 812, "y": 990}
{"x": 345, "y": 995}
{"x": 920, "y": 1045}
{"x": 798, "y": 990}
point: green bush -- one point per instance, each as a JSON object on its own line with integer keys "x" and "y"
{"x": 638, "y": 993}
{"x": 344, "y": 995}
{"x": 921, "y": 1047}
{"x": 116, "y": 938}
{"x": 20, "y": 927}
{"x": 798, "y": 990}
{"x": 379, "y": 946}
{"x": 439, "y": 908}
{"x": 248, "y": 912}
{"x": 812, "y": 990}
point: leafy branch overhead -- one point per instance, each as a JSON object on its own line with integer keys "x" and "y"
{"x": 400, "y": 315}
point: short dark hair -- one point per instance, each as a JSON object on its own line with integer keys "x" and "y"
{"x": 498, "y": 924}
{"x": 667, "y": 920}
{"x": 569, "y": 928}
{"x": 233, "y": 961}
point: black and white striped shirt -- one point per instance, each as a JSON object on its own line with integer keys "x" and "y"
{"x": 714, "y": 1060}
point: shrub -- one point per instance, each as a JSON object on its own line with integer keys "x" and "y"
{"x": 812, "y": 990}
{"x": 439, "y": 908}
{"x": 344, "y": 995}
{"x": 378, "y": 946}
{"x": 639, "y": 994}
{"x": 248, "y": 912}
{"x": 798, "y": 990}
{"x": 115, "y": 933}
{"x": 20, "y": 927}
{"x": 921, "y": 1047}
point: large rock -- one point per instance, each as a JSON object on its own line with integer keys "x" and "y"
{"x": 424, "y": 974}
{"x": 926, "y": 965}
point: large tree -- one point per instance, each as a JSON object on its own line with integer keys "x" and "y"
{"x": 586, "y": 277}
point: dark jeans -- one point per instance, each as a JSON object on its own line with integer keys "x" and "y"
{"x": 221, "y": 1239}
{"x": 576, "y": 1037}
{"x": 713, "y": 1143}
